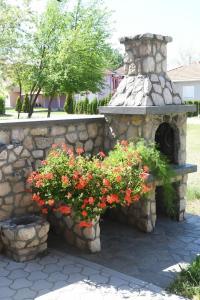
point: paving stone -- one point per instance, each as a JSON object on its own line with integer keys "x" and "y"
{"x": 18, "y": 274}
{"x": 52, "y": 268}
{"x": 6, "y": 292}
{"x": 41, "y": 284}
{"x": 36, "y": 275}
{"x": 5, "y": 281}
{"x": 24, "y": 293}
{"x": 57, "y": 276}
{"x": 20, "y": 283}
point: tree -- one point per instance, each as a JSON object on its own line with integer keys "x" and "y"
{"x": 60, "y": 51}
{"x": 18, "y": 106}
{"x": 69, "y": 104}
{"x": 26, "y": 104}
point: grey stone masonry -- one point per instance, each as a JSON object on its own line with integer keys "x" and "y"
{"x": 23, "y": 144}
{"x": 86, "y": 239}
{"x": 146, "y": 82}
{"x": 24, "y": 237}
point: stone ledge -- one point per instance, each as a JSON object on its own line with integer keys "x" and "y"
{"x": 146, "y": 36}
{"x": 57, "y": 121}
{"x": 146, "y": 110}
{"x": 179, "y": 170}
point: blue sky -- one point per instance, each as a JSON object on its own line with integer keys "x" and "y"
{"x": 177, "y": 18}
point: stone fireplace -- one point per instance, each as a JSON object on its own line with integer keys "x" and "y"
{"x": 146, "y": 105}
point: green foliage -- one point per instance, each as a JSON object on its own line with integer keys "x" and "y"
{"x": 87, "y": 186}
{"x": 26, "y": 104}
{"x": 69, "y": 104}
{"x": 197, "y": 112}
{"x": 188, "y": 281}
{"x": 160, "y": 168}
{"x": 18, "y": 106}
{"x": 2, "y": 105}
{"x": 85, "y": 106}
{"x": 193, "y": 193}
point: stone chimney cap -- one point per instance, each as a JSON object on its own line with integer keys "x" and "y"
{"x": 146, "y": 36}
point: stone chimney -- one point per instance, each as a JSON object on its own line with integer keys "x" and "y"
{"x": 146, "y": 82}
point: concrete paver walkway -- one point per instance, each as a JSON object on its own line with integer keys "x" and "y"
{"x": 59, "y": 276}
{"x": 154, "y": 257}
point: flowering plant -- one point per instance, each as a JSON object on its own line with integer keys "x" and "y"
{"x": 83, "y": 187}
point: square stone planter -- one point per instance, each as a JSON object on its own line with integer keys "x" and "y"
{"x": 24, "y": 237}
{"x": 86, "y": 239}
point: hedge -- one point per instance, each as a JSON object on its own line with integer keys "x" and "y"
{"x": 2, "y": 105}
{"x": 194, "y": 102}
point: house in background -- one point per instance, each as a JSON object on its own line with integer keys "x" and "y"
{"x": 187, "y": 80}
{"x": 112, "y": 79}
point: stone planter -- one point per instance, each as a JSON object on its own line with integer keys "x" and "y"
{"x": 86, "y": 239}
{"x": 24, "y": 237}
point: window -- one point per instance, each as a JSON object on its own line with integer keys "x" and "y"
{"x": 188, "y": 92}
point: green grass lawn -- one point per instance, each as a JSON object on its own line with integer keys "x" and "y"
{"x": 193, "y": 156}
{"x": 38, "y": 113}
{"x": 188, "y": 282}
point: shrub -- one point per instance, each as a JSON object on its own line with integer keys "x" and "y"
{"x": 85, "y": 106}
{"x": 26, "y": 104}
{"x": 69, "y": 104}
{"x": 2, "y": 105}
{"x": 18, "y": 106}
{"x": 87, "y": 186}
{"x": 197, "y": 112}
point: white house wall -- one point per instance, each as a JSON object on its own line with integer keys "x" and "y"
{"x": 195, "y": 84}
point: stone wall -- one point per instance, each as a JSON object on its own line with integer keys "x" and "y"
{"x": 134, "y": 127}
{"x": 25, "y": 143}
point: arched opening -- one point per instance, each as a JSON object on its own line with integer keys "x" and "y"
{"x": 167, "y": 142}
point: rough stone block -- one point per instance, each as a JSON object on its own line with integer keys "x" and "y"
{"x": 4, "y": 189}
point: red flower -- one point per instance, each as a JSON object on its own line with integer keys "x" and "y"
{"x": 113, "y": 198}
{"x": 65, "y": 180}
{"x": 44, "y": 162}
{"x": 89, "y": 176}
{"x": 51, "y": 202}
{"x": 127, "y": 197}
{"x": 44, "y": 211}
{"x": 146, "y": 188}
{"x": 54, "y": 146}
{"x": 102, "y": 205}
{"x": 106, "y": 182}
{"x": 91, "y": 200}
{"x": 104, "y": 191}
{"x": 65, "y": 210}
{"x": 136, "y": 197}
{"x": 39, "y": 184}
{"x": 35, "y": 197}
{"x": 119, "y": 178}
{"x": 64, "y": 147}
{"x": 124, "y": 143}
{"x": 79, "y": 151}
{"x": 84, "y": 213}
{"x": 82, "y": 184}
{"x": 41, "y": 202}
{"x": 70, "y": 152}
{"x": 85, "y": 224}
{"x": 48, "y": 176}
{"x": 101, "y": 154}
{"x": 76, "y": 175}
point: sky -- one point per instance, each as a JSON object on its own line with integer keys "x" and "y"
{"x": 177, "y": 18}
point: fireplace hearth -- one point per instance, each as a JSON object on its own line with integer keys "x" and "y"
{"x": 147, "y": 105}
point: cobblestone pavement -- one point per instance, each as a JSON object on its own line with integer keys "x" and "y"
{"x": 59, "y": 276}
{"x": 154, "y": 257}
